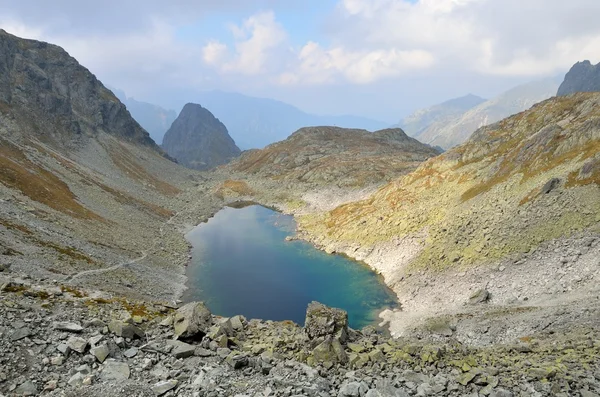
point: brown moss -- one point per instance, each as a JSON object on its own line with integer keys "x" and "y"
{"x": 13, "y": 226}
{"x": 73, "y": 291}
{"x": 231, "y": 187}
{"x": 119, "y": 196}
{"x": 39, "y": 184}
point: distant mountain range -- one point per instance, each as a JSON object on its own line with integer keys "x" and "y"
{"x": 252, "y": 122}
{"x": 452, "y": 122}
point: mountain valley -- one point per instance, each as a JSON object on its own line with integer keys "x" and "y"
{"x": 492, "y": 248}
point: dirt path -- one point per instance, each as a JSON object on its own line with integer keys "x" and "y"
{"x": 124, "y": 264}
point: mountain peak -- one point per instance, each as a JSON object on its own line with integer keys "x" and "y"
{"x": 583, "y": 77}
{"x": 60, "y": 100}
{"x": 197, "y": 139}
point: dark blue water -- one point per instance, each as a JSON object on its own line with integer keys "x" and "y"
{"x": 241, "y": 264}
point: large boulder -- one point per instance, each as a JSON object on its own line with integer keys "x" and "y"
{"x": 192, "y": 321}
{"x": 323, "y": 322}
{"x": 330, "y": 350}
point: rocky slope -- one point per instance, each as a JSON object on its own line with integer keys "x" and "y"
{"x": 152, "y": 118}
{"x": 334, "y": 156}
{"x": 198, "y": 140}
{"x": 449, "y": 132}
{"x": 515, "y": 194}
{"x": 440, "y": 114}
{"x": 583, "y": 77}
{"x": 72, "y": 342}
{"x": 85, "y": 192}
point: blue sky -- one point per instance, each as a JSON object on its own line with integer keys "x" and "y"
{"x": 376, "y": 58}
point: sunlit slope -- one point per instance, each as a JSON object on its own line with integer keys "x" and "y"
{"x": 515, "y": 184}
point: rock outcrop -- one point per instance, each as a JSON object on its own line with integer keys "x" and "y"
{"x": 583, "y": 77}
{"x": 60, "y": 101}
{"x": 198, "y": 140}
{"x": 192, "y": 321}
{"x": 336, "y": 156}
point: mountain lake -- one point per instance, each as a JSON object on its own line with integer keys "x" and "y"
{"x": 242, "y": 264}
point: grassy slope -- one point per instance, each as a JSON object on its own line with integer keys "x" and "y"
{"x": 482, "y": 201}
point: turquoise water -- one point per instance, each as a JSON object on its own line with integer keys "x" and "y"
{"x": 241, "y": 264}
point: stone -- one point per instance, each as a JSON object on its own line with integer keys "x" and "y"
{"x": 237, "y": 361}
{"x": 181, "y": 349}
{"x": 64, "y": 349}
{"x": 131, "y": 352}
{"x": 100, "y": 352}
{"x": 76, "y": 379}
{"x": 550, "y": 185}
{"x": 237, "y": 322}
{"x": 376, "y": 355}
{"x": 68, "y": 327}
{"x": 27, "y": 388}
{"x": 466, "y": 378}
{"x": 479, "y": 296}
{"x": 94, "y": 340}
{"x": 77, "y": 344}
{"x": 322, "y": 321}
{"x": 125, "y": 330}
{"x": 192, "y": 320}
{"x": 202, "y": 352}
{"x": 57, "y": 360}
{"x": 503, "y": 393}
{"x": 330, "y": 350}
{"x": 161, "y": 388}
{"x": 20, "y": 333}
{"x": 166, "y": 322}
{"x": 115, "y": 370}
{"x": 353, "y": 389}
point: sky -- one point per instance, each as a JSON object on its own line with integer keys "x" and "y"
{"x": 375, "y": 58}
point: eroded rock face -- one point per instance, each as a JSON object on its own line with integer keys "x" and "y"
{"x": 323, "y": 322}
{"x": 198, "y": 140}
{"x": 583, "y": 77}
{"x": 192, "y": 321}
{"x": 47, "y": 89}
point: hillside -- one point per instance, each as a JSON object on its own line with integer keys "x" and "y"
{"x": 333, "y": 156}
{"x": 198, "y": 140}
{"x": 452, "y": 131}
{"x": 83, "y": 186}
{"x": 257, "y": 122}
{"x": 583, "y": 77}
{"x": 442, "y": 113}
{"x": 513, "y": 194}
{"x": 152, "y": 118}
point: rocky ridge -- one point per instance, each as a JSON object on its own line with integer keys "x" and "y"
{"x": 583, "y": 77}
{"x": 198, "y": 140}
{"x": 333, "y": 156}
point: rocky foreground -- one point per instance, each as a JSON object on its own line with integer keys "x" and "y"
{"x": 60, "y": 341}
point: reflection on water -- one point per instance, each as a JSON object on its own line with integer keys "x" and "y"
{"x": 243, "y": 265}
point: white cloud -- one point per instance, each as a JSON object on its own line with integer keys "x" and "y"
{"x": 509, "y": 37}
{"x": 318, "y": 65}
{"x": 258, "y": 41}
